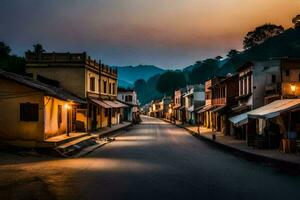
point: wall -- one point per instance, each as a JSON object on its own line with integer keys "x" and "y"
{"x": 262, "y": 75}
{"x": 51, "y": 117}
{"x": 11, "y": 128}
{"x": 70, "y": 78}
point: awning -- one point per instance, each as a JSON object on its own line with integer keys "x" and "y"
{"x": 274, "y": 109}
{"x": 187, "y": 94}
{"x": 100, "y": 103}
{"x": 191, "y": 109}
{"x": 219, "y": 109}
{"x": 239, "y": 120}
{"x": 115, "y": 104}
{"x": 198, "y": 108}
{"x": 206, "y": 108}
{"x": 121, "y": 105}
{"x": 181, "y": 108}
{"x": 176, "y": 107}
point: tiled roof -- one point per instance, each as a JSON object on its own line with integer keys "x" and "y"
{"x": 48, "y": 89}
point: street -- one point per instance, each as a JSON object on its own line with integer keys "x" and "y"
{"x": 153, "y": 160}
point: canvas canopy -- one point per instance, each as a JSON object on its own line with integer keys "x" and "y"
{"x": 115, "y": 104}
{"x": 239, "y": 120}
{"x": 100, "y": 103}
{"x": 206, "y": 108}
{"x": 274, "y": 109}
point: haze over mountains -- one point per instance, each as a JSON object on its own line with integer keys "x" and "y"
{"x": 129, "y": 74}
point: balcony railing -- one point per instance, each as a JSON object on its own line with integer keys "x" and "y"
{"x": 219, "y": 101}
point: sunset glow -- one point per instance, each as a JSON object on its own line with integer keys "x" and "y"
{"x": 168, "y": 33}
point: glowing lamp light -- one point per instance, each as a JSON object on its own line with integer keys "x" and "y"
{"x": 67, "y": 106}
{"x": 293, "y": 88}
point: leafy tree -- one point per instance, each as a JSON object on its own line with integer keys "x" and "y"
{"x": 4, "y": 50}
{"x": 38, "y": 49}
{"x": 261, "y": 34}
{"x": 169, "y": 81}
{"x": 296, "y": 21}
{"x": 218, "y": 58}
{"x": 232, "y": 53}
{"x": 208, "y": 69}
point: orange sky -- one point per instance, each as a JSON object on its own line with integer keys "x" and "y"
{"x": 168, "y": 33}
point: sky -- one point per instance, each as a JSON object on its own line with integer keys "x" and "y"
{"x": 166, "y": 33}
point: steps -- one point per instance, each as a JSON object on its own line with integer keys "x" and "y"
{"x": 71, "y": 147}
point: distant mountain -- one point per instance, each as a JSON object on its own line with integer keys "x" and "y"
{"x": 124, "y": 84}
{"x": 129, "y": 74}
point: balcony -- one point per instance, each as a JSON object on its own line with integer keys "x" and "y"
{"x": 219, "y": 101}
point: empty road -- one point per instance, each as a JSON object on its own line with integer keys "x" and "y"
{"x": 153, "y": 160}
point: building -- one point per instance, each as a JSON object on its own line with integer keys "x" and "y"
{"x": 156, "y": 109}
{"x": 194, "y": 100}
{"x": 34, "y": 112}
{"x": 224, "y": 94}
{"x": 129, "y": 97}
{"x": 205, "y": 114}
{"x": 261, "y": 83}
{"x": 84, "y": 77}
{"x": 179, "y": 108}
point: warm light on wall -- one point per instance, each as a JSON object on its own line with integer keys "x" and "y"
{"x": 293, "y": 88}
{"x": 67, "y": 106}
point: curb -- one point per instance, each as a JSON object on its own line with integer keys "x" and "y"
{"x": 250, "y": 155}
{"x": 113, "y": 131}
{"x": 85, "y": 152}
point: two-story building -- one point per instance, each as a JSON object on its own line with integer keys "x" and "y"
{"x": 261, "y": 83}
{"x": 84, "y": 77}
{"x": 205, "y": 114}
{"x": 224, "y": 94}
{"x": 129, "y": 97}
{"x": 194, "y": 100}
{"x": 179, "y": 108}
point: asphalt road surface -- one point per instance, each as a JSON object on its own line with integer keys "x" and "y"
{"x": 154, "y": 160}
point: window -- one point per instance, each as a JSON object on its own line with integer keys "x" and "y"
{"x": 59, "y": 115}
{"x": 109, "y": 88}
{"x": 104, "y": 86}
{"x": 29, "y": 112}
{"x": 128, "y": 98}
{"x": 113, "y": 89}
{"x": 92, "y": 84}
{"x": 273, "y": 78}
{"x": 287, "y": 72}
{"x": 106, "y": 112}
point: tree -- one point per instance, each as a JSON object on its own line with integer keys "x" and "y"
{"x": 170, "y": 81}
{"x": 38, "y": 49}
{"x": 139, "y": 84}
{"x": 296, "y": 21}
{"x": 218, "y": 58}
{"x": 208, "y": 69}
{"x": 261, "y": 34}
{"x": 232, "y": 53}
{"x": 4, "y": 50}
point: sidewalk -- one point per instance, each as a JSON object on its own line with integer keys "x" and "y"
{"x": 241, "y": 146}
{"x": 112, "y": 129}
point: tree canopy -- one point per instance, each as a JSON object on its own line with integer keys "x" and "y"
{"x": 261, "y": 34}
{"x": 170, "y": 81}
{"x": 232, "y": 53}
{"x": 4, "y": 50}
{"x": 296, "y": 21}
